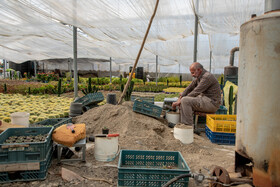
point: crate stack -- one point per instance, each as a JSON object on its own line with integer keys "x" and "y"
{"x": 151, "y": 168}
{"x": 25, "y": 161}
{"x": 221, "y": 129}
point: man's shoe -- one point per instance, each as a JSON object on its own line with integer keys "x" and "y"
{"x": 196, "y": 131}
{"x": 171, "y": 125}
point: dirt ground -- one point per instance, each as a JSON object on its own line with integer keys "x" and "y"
{"x": 137, "y": 132}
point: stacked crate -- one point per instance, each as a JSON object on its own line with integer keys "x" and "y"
{"x": 221, "y": 129}
{"x": 25, "y": 161}
{"x": 151, "y": 168}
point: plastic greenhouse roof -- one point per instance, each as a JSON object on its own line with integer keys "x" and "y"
{"x": 41, "y": 29}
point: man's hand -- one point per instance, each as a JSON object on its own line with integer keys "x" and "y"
{"x": 177, "y": 103}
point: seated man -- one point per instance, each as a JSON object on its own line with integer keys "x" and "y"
{"x": 203, "y": 95}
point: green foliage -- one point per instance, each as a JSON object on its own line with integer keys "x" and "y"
{"x": 230, "y": 99}
{"x": 89, "y": 89}
{"x": 129, "y": 91}
{"x": 29, "y": 91}
{"x": 59, "y": 90}
{"x": 5, "y": 88}
{"x": 167, "y": 81}
{"x": 45, "y": 77}
{"x": 144, "y": 79}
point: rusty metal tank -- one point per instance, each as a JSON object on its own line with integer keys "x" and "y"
{"x": 258, "y": 105}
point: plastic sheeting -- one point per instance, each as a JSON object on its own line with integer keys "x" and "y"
{"x": 41, "y": 29}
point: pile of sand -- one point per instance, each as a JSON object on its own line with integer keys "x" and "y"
{"x": 140, "y": 132}
{"x": 136, "y": 131}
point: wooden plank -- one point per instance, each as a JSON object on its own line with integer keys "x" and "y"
{"x": 20, "y": 167}
{"x": 14, "y": 146}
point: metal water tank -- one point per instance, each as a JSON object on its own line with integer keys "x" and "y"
{"x": 258, "y": 119}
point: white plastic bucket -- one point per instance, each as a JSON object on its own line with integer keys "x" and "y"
{"x": 184, "y": 133}
{"x": 20, "y": 118}
{"x": 172, "y": 117}
{"x": 106, "y": 148}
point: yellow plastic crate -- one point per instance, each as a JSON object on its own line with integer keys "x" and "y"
{"x": 221, "y": 123}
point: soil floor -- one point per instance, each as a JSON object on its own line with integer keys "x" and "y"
{"x": 137, "y": 132}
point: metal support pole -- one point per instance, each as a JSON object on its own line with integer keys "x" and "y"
{"x": 156, "y": 69}
{"x": 35, "y": 68}
{"x": 195, "y": 33}
{"x": 70, "y": 68}
{"x": 110, "y": 70}
{"x": 179, "y": 68}
{"x": 5, "y": 67}
{"x": 75, "y": 62}
{"x": 210, "y": 61}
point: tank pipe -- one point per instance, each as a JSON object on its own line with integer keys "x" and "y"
{"x": 271, "y": 5}
{"x": 231, "y": 60}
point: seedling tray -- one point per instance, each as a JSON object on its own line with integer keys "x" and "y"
{"x": 25, "y": 152}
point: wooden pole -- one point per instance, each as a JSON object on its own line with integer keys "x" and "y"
{"x": 139, "y": 53}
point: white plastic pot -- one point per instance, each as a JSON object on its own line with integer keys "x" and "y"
{"x": 172, "y": 117}
{"x": 20, "y": 118}
{"x": 106, "y": 148}
{"x": 184, "y": 133}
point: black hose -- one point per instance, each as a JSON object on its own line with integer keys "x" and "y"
{"x": 177, "y": 178}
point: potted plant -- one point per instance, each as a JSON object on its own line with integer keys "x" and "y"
{"x": 105, "y": 130}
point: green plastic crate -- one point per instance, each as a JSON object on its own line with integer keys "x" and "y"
{"x": 90, "y": 98}
{"x": 147, "y": 99}
{"x": 25, "y": 152}
{"x": 147, "y": 108}
{"x": 57, "y": 122}
{"x": 6, "y": 177}
{"x": 222, "y": 110}
{"x": 151, "y": 168}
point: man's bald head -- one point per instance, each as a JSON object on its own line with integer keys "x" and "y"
{"x": 196, "y": 65}
{"x": 196, "y": 69}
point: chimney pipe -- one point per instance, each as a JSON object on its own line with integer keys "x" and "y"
{"x": 271, "y": 5}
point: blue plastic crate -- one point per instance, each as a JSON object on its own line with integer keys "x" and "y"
{"x": 141, "y": 98}
{"x": 17, "y": 176}
{"x": 57, "y": 122}
{"x": 25, "y": 152}
{"x": 151, "y": 168}
{"x": 90, "y": 98}
{"x": 147, "y": 108}
{"x": 222, "y": 110}
{"x": 220, "y": 138}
